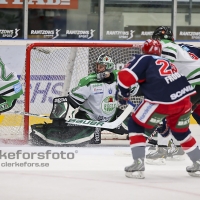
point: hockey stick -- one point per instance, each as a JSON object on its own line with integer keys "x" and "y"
{"x": 156, "y": 132}
{"x": 99, "y": 124}
{"x": 29, "y": 114}
{"x": 153, "y": 134}
{"x": 92, "y": 123}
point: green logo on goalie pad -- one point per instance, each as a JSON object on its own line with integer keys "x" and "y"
{"x": 85, "y": 122}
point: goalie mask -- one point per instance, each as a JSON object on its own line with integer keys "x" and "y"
{"x": 104, "y": 66}
{"x": 163, "y": 32}
{"x": 152, "y": 47}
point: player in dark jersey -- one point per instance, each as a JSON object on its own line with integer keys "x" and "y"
{"x": 192, "y": 50}
{"x": 186, "y": 59}
{"x": 169, "y": 98}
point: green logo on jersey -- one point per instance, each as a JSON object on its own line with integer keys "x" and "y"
{"x": 109, "y": 105}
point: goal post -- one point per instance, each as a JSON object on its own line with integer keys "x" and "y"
{"x": 51, "y": 70}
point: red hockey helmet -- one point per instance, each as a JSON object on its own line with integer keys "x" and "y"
{"x": 152, "y": 47}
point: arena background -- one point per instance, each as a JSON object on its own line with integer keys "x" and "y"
{"x": 13, "y": 52}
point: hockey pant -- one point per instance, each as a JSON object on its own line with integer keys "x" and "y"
{"x": 163, "y": 139}
{"x": 195, "y": 99}
{"x": 177, "y": 119}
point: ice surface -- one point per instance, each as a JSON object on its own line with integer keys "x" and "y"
{"x": 95, "y": 173}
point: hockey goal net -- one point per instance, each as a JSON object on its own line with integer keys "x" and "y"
{"x": 51, "y": 70}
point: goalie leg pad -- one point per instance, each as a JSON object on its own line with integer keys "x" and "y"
{"x": 61, "y": 134}
{"x": 60, "y": 108}
{"x": 97, "y": 132}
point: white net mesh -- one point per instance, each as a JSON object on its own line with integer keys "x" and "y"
{"x": 50, "y": 72}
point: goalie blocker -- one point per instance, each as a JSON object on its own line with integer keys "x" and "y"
{"x": 61, "y": 133}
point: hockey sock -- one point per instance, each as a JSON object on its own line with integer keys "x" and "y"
{"x": 194, "y": 155}
{"x": 191, "y": 149}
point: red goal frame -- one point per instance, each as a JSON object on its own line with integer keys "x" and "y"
{"x": 28, "y": 67}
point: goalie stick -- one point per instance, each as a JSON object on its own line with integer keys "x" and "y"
{"x": 92, "y": 123}
{"x": 29, "y": 114}
{"x": 100, "y": 124}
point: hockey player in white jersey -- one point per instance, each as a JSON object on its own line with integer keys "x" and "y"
{"x": 10, "y": 88}
{"x": 187, "y": 64}
{"x": 94, "y": 96}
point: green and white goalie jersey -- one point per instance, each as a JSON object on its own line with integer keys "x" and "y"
{"x": 101, "y": 104}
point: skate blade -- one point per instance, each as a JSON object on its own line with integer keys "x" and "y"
{"x": 176, "y": 158}
{"x": 194, "y": 174}
{"x": 136, "y": 174}
{"x": 159, "y": 161}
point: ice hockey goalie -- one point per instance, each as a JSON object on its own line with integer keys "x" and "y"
{"x": 60, "y": 133}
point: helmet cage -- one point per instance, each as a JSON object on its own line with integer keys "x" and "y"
{"x": 163, "y": 32}
{"x": 107, "y": 61}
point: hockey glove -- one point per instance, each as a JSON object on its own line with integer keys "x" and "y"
{"x": 121, "y": 99}
{"x": 134, "y": 89}
{"x": 163, "y": 129}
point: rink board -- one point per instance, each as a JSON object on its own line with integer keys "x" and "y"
{"x": 17, "y": 120}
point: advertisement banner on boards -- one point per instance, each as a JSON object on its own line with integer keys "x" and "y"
{"x": 40, "y": 4}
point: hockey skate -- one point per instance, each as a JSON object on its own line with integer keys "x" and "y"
{"x": 176, "y": 153}
{"x": 157, "y": 157}
{"x": 152, "y": 148}
{"x": 194, "y": 170}
{"x": 136, "y": 170}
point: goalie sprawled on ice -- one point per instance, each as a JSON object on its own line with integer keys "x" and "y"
{"x": 95, "y": 98}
